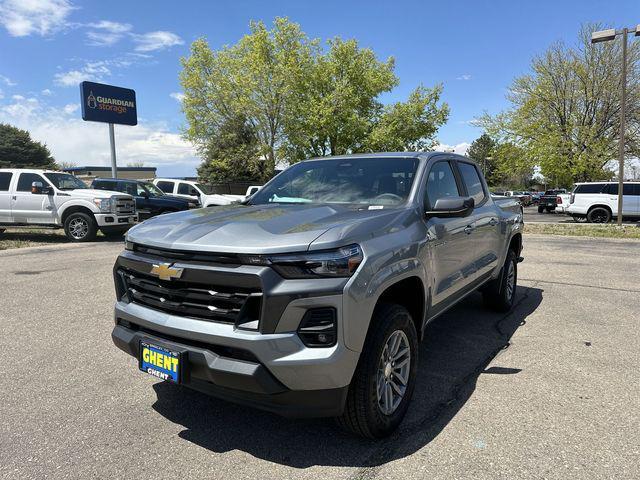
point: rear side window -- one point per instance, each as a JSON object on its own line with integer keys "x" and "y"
{"x": 472, "y": 181}
{"x": 627, "y": 189}
{"x": 106, "y": 185}
{"x": 166, "y": 187}
{"x": 26, "y": 179}
{"x": 441, "y": 183}
{"x": 589, "y": 188}
{"x": 5, "y": 180}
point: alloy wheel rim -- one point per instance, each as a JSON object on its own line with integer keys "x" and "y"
{"x": 511, "y": 280}
{"x": 393, "y": 372}
{"x": 78, "y": 228}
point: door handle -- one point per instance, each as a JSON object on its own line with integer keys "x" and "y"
{"x": 493, "y": 222}
{"x": 468, "y": 229}
{"x": 13, "y": 197}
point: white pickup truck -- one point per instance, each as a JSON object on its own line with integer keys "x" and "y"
{"x": 46, "y": 198}
{"x": 199, "y": 192}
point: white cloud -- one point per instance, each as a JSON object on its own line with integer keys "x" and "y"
{"x": 46, "y": 92}
{"x": 69, "y": 108}
{"x": 106, "y": 33}
{"x": 151, "y": 41}
{"x": 178, "y": 96}
{"x": 460, "y": 148}
{"x": 22, "y": 18}
{"x": 87, "y": 143}
{"x": 92, "y": 71}
{"x": 465, "y": 77}
{"x": 7, "y": 81}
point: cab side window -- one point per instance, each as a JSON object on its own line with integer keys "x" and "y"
{"x": 26, "y": 179}
{"x": 166, "y": 187}
{"x": 5, "y": 181}
{"x": 186, "y": 189}
{"x": 441, "y": 183}
{"x": 471, "y": 179}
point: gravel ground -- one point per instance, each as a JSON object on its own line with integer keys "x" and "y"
{"x": 560, "y": 402}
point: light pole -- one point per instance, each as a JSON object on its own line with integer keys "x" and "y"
{"x": 605, "y": 36}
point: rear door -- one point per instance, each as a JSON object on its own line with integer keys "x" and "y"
{"x": 5, "y": 196}
{"x": 447, "y": 237}
{"x": 27, "y": 207}
{"x": 630, "y": 206}
{"x": 485, "y": 233}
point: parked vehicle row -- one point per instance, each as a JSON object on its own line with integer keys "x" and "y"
{"x": 310, "y": 298}
{"x": 550, "y": 200}
{"x": 198, "y": 192}
{"x": 31, "y": 197}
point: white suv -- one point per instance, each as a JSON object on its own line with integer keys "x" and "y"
{"x": 597, "y": 202}
{"x": 199, "y": 192}
{"x": 45, "y": 198}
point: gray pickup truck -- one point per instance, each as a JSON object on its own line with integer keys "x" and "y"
{"x": 310, "y": 298}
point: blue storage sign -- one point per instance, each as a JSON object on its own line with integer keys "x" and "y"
{"x": 109, "y": 104}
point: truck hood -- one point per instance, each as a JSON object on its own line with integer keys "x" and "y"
{"x": 260, "y": 228}
{"x": 93, "y": 193}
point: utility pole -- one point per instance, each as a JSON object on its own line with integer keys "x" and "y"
{"x": 605, "y": 36}
{"x": 112, "y": 141}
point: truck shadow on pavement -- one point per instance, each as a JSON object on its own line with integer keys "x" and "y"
{"x": 457, "y": 348}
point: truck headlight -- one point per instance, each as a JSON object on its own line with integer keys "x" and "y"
{"x": 104, "y": 204}
{"x": 342, "y": 262}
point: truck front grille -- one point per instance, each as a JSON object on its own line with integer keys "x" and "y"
{"x": 125, "y": 206}
{"x": 215, "y": 303}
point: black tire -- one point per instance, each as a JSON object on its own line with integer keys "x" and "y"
{"x": 549, "y": 209}
{"x": 114, "y": 232}
{"x": 2, "y": 230}
{"x": 363, "y": 414}
{"x": 599, "y": 215}
{"x": 540, "y": 209}
{"x": 496, "y": 294}
{"x": 80, "y": 227}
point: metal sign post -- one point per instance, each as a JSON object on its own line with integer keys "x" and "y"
{"x": 109, "y": 104}
{"x": 112, "y": 141}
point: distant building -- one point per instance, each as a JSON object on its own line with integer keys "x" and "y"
{"x": 87, "y": 174}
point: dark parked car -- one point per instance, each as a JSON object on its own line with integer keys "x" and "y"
{"x": 150, "y": 200}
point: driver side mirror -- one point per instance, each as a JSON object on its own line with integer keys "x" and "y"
{"x": 448, "y": 207}
{"x": 38, "y": 189}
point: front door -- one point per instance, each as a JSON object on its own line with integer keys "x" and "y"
{"x": 27, "y": 207}
{"x": 485, "y": 234}
{"x": 448, "y": 238}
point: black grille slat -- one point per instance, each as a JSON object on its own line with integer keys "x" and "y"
{"x": 218, "y": 304}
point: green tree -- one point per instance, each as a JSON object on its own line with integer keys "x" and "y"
{"x": 410, "y": 125}
{"x": 481, "y": 150}
{"x": 253, "y": 79}
{"x": 232, "y": 154}
{"x": 512, "y": 166}
{"x": 18, "y": 150}
{"x": 565, "y": 114}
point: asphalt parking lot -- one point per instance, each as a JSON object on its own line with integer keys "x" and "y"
{"x": 561, "y": 401}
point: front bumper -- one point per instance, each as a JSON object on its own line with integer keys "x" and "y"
{"x": 113, "y": 220}
{"x": 242, "y": 380}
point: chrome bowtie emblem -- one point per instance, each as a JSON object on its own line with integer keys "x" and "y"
{"x": 165, "y": 271}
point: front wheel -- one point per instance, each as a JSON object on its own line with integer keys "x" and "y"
{"x": 500, "y": 293}
{"x": 384, "y": 380}
{"x": 80, "y": 227}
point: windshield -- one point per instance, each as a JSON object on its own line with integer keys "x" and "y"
{"x": 65, "y": 181}
{"x": 152, "y": 189}
{"x": 360, "y": 181}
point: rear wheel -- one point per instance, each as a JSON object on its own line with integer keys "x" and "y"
{"x": 540, "y": 209}
{"x": 500, "y": 293}
{"x": 549, "y": 209}
{"x": 384, "y": 380}
{"x": 599, "y": 215}
{"x": 2, "y": 230}
{"x": 80, "y": 227}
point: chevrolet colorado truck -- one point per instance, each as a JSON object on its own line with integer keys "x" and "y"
{"x": 53, "y": 199}
{"x": 310, "y": 298}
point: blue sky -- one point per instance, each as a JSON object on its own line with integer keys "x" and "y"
{"x": 475, "y": 48}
